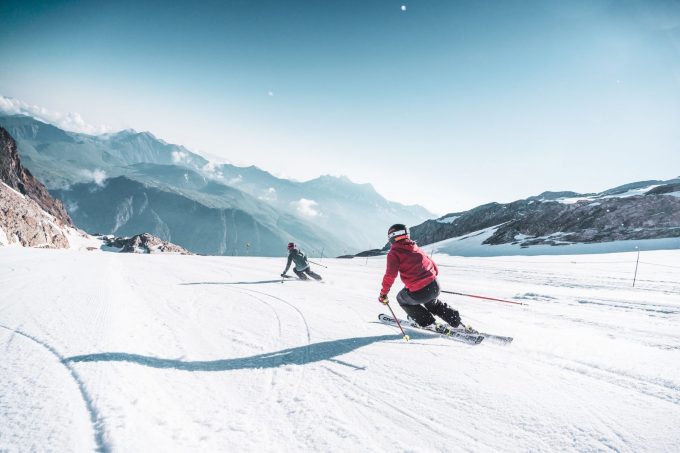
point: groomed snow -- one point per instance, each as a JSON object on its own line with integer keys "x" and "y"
{"x": 176, "y": 353}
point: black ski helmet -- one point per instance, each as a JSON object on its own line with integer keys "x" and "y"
{"x": 397, "y": 232}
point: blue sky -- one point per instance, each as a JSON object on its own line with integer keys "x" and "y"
{"x": 448, "y": 104}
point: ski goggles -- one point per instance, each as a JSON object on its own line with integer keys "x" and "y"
{"x": 397, "y": 233}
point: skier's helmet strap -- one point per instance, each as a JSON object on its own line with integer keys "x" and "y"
{"x": 397, "y": 232}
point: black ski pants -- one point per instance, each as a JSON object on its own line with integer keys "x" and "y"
{"x": 301, "y": 274}
{"x": 422, "y": 304}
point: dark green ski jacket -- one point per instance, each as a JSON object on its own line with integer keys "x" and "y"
{"x": 299, "y": 258}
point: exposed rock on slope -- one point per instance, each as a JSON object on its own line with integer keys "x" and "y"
{"x": 144, "y": 243}
{"x": 24, "y": 222}
{"x": 642, "y": 210}
{"x": 29, "y": 216}
{"x": 20, "y": 179}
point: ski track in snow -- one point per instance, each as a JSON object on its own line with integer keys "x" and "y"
{"x": 97, "y": 424}
{"x": 207, "y": 353}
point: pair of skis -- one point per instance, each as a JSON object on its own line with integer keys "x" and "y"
{"x": 292, "y": 277}
{"x": 458, "y": 334}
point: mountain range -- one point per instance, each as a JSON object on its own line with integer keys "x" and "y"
{"x": 129, "y": 182}
{"x": 636, "y": 211}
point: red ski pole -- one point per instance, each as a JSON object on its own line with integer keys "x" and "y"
{"x": 485, "y": 298}
{"x": 406, "y": 337}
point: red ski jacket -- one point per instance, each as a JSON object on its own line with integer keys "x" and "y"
{"x": 415, "y": 268}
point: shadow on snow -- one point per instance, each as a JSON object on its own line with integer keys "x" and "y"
{"x": 301, "y": 355}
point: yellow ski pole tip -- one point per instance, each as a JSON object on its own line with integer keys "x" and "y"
{"x": 406, "y": 338}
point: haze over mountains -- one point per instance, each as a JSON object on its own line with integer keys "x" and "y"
{"x": 129, "y": 182}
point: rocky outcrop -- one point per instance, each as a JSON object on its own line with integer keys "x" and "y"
{"x": 144, "y": 243}
{"x": 14, "y": 175}
{"x": 641, "y": 210}
{"x": 24, "y": 222}
{"x": 665, "y": 189}
{"x": 611, "y": 219}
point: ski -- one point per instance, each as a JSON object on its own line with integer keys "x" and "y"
{"x": 452, "y": 334}
{"x": 488, "y": 336}
{"x": 496, "y": 338}
{"x": 293, "y": 277}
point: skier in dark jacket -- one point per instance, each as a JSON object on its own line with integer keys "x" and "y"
{"x": 301, "y": 265}
{"x": 419, "y": 298}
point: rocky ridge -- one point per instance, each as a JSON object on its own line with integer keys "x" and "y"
{"x": 15, "y": 176}
{"x": 643, "y": 210}
{"x": 29, "y": 216}
{"x": 144, "y": 243}
{"x": 24, "y": 222}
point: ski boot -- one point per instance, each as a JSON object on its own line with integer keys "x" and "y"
{"x": 468, "y": 328}
{"x": 442, "y": 328}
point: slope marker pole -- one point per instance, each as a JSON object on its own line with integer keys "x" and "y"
{"x": 636, "y": 265}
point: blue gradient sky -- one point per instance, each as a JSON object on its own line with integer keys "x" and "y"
{"x": 449, "y": 104}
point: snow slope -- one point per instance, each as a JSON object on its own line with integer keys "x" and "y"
{"x": 187, "y": 353}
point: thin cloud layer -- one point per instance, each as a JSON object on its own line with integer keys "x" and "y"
{"x": 97, "y": 176}
{"x": 70, "y": 121}
{"x": 306, "y": 208}
{"x": 269, "y": 195}
{"x": 212, "y": 171}
{"x": 179, "y": 156}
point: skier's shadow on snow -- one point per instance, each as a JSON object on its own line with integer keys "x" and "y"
{"x": 259, "y": 282}
{"x": 301, "y": 355}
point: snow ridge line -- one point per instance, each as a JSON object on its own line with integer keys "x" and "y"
{"x": 95, "y": 417}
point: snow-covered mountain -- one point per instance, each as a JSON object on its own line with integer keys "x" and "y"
{"x": 110, "y": 352}
{"x": 645, "y": 210}
{"x": 273, "y": 211}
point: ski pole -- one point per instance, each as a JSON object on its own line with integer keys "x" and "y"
{"x": 485, "y": 298}
{"x": 406, "y": 337}
{"x": 318, "y": 264}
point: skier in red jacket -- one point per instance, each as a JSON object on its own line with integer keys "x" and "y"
{"x": 419, "y": 298}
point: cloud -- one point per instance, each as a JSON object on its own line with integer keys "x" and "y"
{"x": 71, "y": 206}
{"x": 233, "y": 181}
{"x": 179, "y": 157}
{"x": 306, "y": 208}
{"x": 70, "y": 121}
{"x": 212, "y": 170}
{"x": 97, "y": 176}
{"x": 269, "y": 195}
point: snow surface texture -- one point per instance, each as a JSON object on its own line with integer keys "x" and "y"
{"x": 175, "y": 353}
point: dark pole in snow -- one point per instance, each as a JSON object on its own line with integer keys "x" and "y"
{"x": 636, "y": 266}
